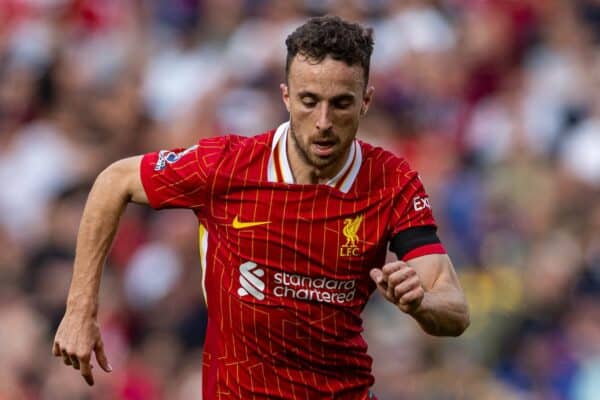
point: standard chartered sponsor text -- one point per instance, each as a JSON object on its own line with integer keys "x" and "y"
{"x": 321, "y": 289}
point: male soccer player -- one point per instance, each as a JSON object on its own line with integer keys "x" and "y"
{"x": 294, "y": 229}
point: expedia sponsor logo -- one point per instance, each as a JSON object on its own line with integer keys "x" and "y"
{"x": 421, "y": 203}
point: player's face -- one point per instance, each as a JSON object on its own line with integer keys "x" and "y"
{"x": 325, "y": 101}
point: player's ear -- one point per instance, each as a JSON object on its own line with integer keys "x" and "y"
{"x": 285, "y": 95}
{"x": 367, "y": 99}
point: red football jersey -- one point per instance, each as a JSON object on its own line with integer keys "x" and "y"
{"x": 286, "y": 266}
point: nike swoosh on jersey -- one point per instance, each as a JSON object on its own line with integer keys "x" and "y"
{"x": 237, "y": 224}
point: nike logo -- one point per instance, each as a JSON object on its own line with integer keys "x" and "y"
{"x": 237, "y": 224}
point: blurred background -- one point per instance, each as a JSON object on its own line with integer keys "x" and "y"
{"x": 495, "y": 103}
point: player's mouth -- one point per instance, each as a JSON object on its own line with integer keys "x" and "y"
{"x": 323, "y": 147}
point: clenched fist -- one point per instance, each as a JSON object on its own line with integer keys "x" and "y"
{"x": 400, "y": 285}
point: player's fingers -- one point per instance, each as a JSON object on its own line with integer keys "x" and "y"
{"x": 56, "y": 349}
{"x": 401, "y": 275}
{"x": 86, "y": 372}
{"x": 389, "y": 269}
{"x": 406, "y": 286}
{"x": 101, "y": 357}
{"x": 394, "y": 279}
{"x": 389, "y": 293}
{"x": 75, "y": 362}
{"x": 382, "y": 285}
{"x": 392, "y": 267}
{"x": 414, "y": 296}
{"x": 376, "y": 275}
{"x": 66, "y": 358}
{"x": 379, "y": 278}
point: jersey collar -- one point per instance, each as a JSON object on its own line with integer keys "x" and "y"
{"x": 279, "y": 167}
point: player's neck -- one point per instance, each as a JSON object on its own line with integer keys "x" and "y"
{"x": 311, "y": 175}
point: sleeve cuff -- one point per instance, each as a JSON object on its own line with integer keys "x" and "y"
{"x": 146, "y": 171}
{"x": 434, "y": 248}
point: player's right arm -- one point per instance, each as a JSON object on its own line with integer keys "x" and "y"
{"x": 175, "y": 178}
{"x": 78, "y": 335}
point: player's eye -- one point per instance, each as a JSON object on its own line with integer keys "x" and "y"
{"x": 343, "y": 104}
{"x": 309, "y": 102}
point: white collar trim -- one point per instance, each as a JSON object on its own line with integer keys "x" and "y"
{"x": 279, "y": 169}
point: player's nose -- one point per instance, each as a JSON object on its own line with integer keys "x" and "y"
{"x": 324, "y": 119}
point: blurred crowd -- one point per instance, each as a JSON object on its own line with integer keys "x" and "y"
{"x": 495, "y": 103}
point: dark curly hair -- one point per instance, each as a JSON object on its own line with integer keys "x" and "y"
{"x": 331, "y": 36}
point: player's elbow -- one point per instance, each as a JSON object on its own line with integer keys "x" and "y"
{"x": 462, "y": 319}
{"x": 453, "y": 324}
{"x": 453, "y": 328}
{"x": 112, "y": 179}
{"x": 121, "y": 179}
{"x": 461, "y": 324}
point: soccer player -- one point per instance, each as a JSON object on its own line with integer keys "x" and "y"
{"x": 294, "y": 225}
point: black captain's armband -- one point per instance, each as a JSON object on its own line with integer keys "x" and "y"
{"x": 412, "y": 238}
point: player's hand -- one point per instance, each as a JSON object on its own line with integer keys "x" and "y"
{"x": 77, "y": 337}
{"x": 400, "y": 285}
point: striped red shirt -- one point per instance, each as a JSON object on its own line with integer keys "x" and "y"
{"x": 286, "y": 266}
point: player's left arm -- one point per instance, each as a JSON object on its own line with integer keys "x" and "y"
{"x": 428, "y": 289}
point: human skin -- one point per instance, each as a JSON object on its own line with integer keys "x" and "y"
{"x": 78, "y": 335}
{"x": 326, "y": 101}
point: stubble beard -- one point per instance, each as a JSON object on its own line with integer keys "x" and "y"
{"x": 310, "y": 159}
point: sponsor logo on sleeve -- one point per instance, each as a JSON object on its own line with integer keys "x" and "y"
{"x": 421, "y": 203}
{"x": 169, "y": 157}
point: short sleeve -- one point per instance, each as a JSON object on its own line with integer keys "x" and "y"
{"x": 412, "y": 207}
{"x": 179, "y": 178}
{"x": 413, "y": 225}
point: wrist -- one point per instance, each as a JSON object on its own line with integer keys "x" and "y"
{"x": 85, "y": 306}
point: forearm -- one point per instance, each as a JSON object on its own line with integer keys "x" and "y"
{"x": 443, "y": 312}
{"x": 98, "y": 226}
{"x": 78, "y": 334}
